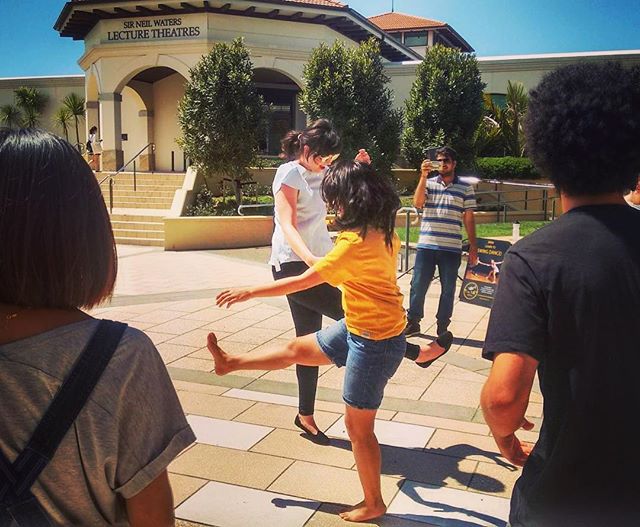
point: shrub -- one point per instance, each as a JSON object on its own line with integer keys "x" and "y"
{"x": 444, "y": 105}
{"x": 506, "y": 168}
{"x": 221, "y": 114}
{"x": 349, "y": 87}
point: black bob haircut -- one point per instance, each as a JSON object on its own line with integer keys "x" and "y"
{"x": 583, "y": 128}
{"x": 361, "y": 198}
{"x": 58, "y": 249}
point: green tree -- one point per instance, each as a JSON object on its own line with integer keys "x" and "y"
{"x": 444, "y": 105}
{"x": 74, "y": 103}
{"x": 10, "y": 115}
{"x": 221, "y": 114}
{"x": 349, "y": 87}
{"x": 32, "y": 103}
{"x": 62, "y": 120}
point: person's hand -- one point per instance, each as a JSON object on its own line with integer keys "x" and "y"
{"x": 512, "y": 449}
{"x": 363, "y": 156}
{"x": 425, "y": 167}
{"x": 473, "y": 256}
{"x": 229, "y": 297}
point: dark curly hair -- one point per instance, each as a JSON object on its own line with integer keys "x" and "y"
{"x": 361, "y": 198}
{"x": 583, "y": 128}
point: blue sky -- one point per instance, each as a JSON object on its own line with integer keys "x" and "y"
{"x": 30, "y": 46}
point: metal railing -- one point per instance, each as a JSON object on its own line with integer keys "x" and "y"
{"x": 111, "y": 177}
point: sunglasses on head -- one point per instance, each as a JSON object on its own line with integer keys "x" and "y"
{"x": 327, "y": 160}
{"x": 444, "y": 160}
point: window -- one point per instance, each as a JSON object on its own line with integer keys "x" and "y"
{"x": 417, "y": 38}
{"x": 397, "y": 36}
{"x": 499, "y": 99}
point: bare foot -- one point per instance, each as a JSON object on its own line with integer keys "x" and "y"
{"x": 429, "y": 352}
{"x": 363, "y": 512}
{"x": 220, "y": 358}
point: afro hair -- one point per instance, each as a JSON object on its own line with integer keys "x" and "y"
{"x": 583, "y": 128}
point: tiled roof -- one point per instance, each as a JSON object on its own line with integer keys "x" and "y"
{"x": 328, "y": 3}
{"x": 400, "y": 21}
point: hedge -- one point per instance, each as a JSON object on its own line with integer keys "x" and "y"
{"x": 506, "y": 168}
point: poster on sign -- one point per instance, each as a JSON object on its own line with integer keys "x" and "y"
{"x": 480, "y": 281}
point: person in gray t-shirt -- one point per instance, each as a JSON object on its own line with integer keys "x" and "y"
{"x": 58, "y": 257}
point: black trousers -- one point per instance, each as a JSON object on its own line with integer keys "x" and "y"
{"x": 307, "y": 309}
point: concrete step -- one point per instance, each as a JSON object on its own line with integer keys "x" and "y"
{"x": 152, "y": 242}
{"x": 142, "y": 215}
{"x": 146, "y": 226}
{"x": 136, "y": 230}
{"x": 163, "y": 192}
{"x": 141, "y": 204}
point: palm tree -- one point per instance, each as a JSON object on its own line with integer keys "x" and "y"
{"x": 75, "y": 104}
{"x": 62, "y": 119}
{"x": 32, "y": 103}
{"x": 10, "y": 115}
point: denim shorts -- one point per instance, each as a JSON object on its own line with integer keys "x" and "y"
{"x": 369, "y": 363}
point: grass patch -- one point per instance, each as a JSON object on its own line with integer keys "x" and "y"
{"x": 483, "y": 230}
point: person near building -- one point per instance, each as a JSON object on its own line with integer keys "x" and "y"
{"x": 448, "y": 203}
{"x": 93, "y": 148}
{"x": 300, "y": 239}
{"x": 369, "y": 342}
{"x": 73, "y": 452}
{"x": 566, "y": 306}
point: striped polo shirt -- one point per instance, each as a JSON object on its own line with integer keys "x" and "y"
{"x": 441, "y": 226}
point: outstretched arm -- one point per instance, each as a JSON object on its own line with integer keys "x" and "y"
{"x": 310, "y": 278}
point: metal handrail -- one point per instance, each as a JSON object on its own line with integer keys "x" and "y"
{"x": 111, "y": 177}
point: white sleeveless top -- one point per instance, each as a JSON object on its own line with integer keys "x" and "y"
{"x": 311, "y": 214}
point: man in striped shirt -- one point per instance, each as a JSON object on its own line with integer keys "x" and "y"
{"x": 449, "y": 204}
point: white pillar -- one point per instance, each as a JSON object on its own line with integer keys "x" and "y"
{"x": 111, "y": 131}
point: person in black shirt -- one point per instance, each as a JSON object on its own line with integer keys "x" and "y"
{"x": 567, "y": 305}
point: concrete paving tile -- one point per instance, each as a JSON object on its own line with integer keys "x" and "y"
{"x": 210, "y": 314}
{"x": 159, "y": 316}
{"x": 495, "y": 479}
{"x": 212, "y": 405}
{"x": 261, "y": 312}
{"x": 250, "y": 374}
{"x": 327, "y": 484}
{"x": 281, "y": 376}
{"x": 188, "y": 363}
{"x": 230, "y": 324}
{"x": 230, "y": 466}
{"x": 184, "y": 486}
{"x": 281, "y": 321}
{"x": 191, "y": 306}
{"x": 338, "y": 408}
{"x": 158, "y": 338}
{"x": 426, "y": 467}
{"x": 402, "y": 391}
{"x": 447, "y": 507}
{"x": 282, "y": 416}
{"x": 442, "y": 422}
{"x": 333, "y": 378}
{"x": 172, "y": 352}
{"x": 265, "y": 397}
{"x": 460, "y": 393}
{"x": 292, "y": 445}
{"x": 460, "y": 374}
{"x": 470, "y": 351}
{"x": 232, "y": 506}
{"x": 328, "y": 516}
{"x": 463, "y": 445}
{"x": 390, "y": 433}
{"x": 196, "y": 338}
{"x": 142, "y": 326}
{"x": 185, "y": 523}
{"x": 177, "y": 326}
{"x": 272, "y": 344}
{"x": 199, "y": 388}
{"x": 409, "y": 374}
{"x": 229, "y": 434}
{"x": 254, "y": 335}
{"x": 534, "y": 410}
{"x": 291, "y": 334}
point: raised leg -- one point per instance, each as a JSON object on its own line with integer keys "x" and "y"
{"x": 301, "y": 350}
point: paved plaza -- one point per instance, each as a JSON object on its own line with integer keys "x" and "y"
{"x": 251, "y": 466}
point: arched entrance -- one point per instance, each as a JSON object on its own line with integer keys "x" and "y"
{"x": 280, "y": 94}
{"x": 150, "y": 115}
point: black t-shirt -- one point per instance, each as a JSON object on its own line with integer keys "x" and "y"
{"x": 569, "y": 296}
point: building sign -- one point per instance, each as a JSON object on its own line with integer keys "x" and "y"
{"x": 480, "y": 281}
{"x": 155, "y": 28}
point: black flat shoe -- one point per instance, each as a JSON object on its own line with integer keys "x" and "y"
{"x": 319, "y": 438}
{"x": 445, "y": 340}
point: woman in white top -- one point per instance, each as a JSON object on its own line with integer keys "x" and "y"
{"x": 300, "y": 239}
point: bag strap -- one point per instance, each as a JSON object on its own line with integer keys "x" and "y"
{"x": 62, "y": 412}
